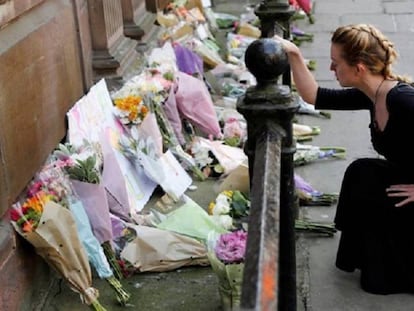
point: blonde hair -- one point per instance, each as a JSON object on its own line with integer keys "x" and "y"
{"x": 363, "y": 43}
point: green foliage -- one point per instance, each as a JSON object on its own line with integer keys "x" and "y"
{"x": 239, "y": 205}
{"x": 84, "y": 171}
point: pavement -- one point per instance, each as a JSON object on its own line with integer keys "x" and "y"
{"x": 320, "y": 285}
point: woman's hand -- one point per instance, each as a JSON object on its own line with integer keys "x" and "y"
{"x": 288, "y": 46}
{"x": 304, "y": 80}
{"x": 405, "y": 191}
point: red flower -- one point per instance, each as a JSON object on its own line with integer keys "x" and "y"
{"x": 15, "y": 215}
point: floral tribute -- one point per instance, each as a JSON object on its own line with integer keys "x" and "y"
{"x": 226, "y": 253}
{"x": 45, "y": 221}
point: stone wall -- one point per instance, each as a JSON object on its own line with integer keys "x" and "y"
{"x": 48, "y": 60}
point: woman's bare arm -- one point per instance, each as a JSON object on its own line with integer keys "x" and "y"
{"x": 305, "y": 82}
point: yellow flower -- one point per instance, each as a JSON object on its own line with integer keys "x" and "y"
{"x": 211, "y": 208}
{"x": 38, "y": 201}
{"x": 228, "y": 193}
{"x": 133, "y": 106}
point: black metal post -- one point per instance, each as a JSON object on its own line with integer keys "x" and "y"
{"x": 269, "y": 109}
{"x": 275, "y": 16}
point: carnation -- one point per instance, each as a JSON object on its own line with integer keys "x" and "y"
{"x": 231, "y": 247}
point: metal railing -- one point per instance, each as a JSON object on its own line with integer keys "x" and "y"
{"x": 269, "y": 280}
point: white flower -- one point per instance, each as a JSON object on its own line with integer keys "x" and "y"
{"x": 221, "y": 208}
{"x": 224, "y": 221}
{"x": 222, "y": 205}
{"x": 201, "y": 155}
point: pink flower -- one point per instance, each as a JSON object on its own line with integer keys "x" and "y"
{"x": 232, "y": 128}
{"x": 34, "y": 188}
{"x": 231, "y": 247}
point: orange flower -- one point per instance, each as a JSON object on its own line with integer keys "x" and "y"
{"x": 28, "y": 226}
{"x": 132, "y": 105}
{"x": 35, "y": 203}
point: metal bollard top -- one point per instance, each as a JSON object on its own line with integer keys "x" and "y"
{"x": 266, "y": 60}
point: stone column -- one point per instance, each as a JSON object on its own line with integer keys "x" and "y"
{"x": 129, "y": 9}
{"x": 112, "y": 52}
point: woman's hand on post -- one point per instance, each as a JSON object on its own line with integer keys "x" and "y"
{"x": 305, "y": 82}
{"x": 404, "y": 191}
{"x": 288, "y": 46}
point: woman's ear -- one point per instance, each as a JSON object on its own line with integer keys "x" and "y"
{"x": 360, "y": 68}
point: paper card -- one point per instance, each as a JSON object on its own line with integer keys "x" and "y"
{"x": 90, "y": 115}
{"x": 139, "y": 186}
{"x": 176, "y": 179}
{"x": 206, "y": 3}
{"x": 77, "y": 127}
{"x": 201, "y": 32}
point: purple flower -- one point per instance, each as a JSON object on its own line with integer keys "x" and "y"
{"x": 231, "y": 247}
{"x": 303, "y": 185}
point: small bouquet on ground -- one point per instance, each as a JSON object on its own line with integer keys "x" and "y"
{"x": 226, "y": 253}
{"x": 234, "y": 132}
{"x": 299, "y": 36}
{"x": 52, "y": 176}
{"x": 84, "y": 172}
{"x": 309, "y": 196}
{"x": 214, "y": 157}
{"x": 304, "y": 6}
{"x": 312, "y": 226}
{"x": 51, "y": 229}
{"x": 205, "y": 160}
{"x": 303, "y": 132}
{"x": 306, "y": 108}
{"x": 306, "y": 154}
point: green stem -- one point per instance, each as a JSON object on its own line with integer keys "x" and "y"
{"x": 96, "y": 305}
{"x": 315, "y": 227}
{"x": 113, "y": 262}
{"x": 121, "y": 294}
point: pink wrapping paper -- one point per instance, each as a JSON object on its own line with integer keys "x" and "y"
{"x": 94, "y": 200}
{"x": 149, "y": 128}
{"x": 171, "y": 110}
{"x": 114, "y": 183}
{"x": 194, "y": 103}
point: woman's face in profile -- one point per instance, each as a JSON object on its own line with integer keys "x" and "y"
{"x": 344, "y": 73}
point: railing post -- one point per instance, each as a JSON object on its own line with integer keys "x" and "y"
{"x": 269, "y": 109}
{"x": 275, "y": 18}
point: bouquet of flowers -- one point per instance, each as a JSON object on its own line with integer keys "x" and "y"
{"x": 84, "y": 172}
{"x": 204, "y": 159}
{"x": 226, "y": 253}
{"x": 302, "y": 132}
{"x": 309, "y": 196}
{"x": 234, "y": 132}
{"x": 306, "y": 154}
{"x": 51, "y": 178}
{"x": 306, "y": 108}
{"x": 50, "y": 227}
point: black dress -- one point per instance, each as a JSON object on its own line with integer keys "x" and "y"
{"x": 376, "y": 236}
